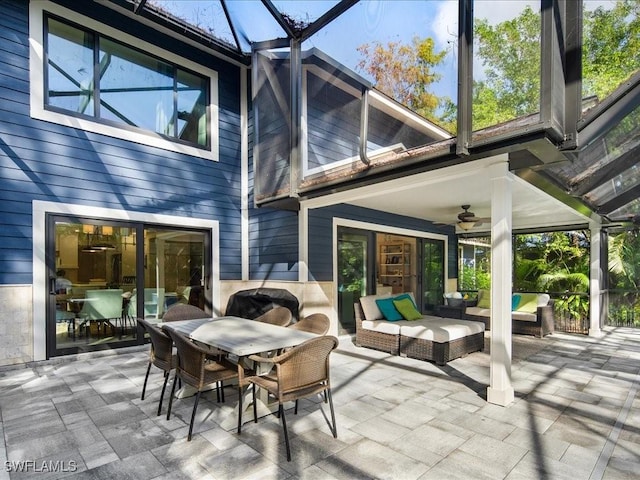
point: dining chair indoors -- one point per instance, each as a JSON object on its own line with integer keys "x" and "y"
{"x": 301, "y": 372}
{"x": 160, "y": 354}
{"x": 276, "y": 316}
{"x": 196, "y": 368}
{"x": 317, "y": 323}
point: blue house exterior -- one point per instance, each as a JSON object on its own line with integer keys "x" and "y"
{"x": 60, "y": 168}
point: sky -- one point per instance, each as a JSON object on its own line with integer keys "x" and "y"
{"x": 366, "y": 22}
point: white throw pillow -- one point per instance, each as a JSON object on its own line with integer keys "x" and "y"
{"x": 543, "y": 299}
{"x": 370, "y": 308}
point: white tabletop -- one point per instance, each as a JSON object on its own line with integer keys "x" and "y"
{"x": 239, "y": 336}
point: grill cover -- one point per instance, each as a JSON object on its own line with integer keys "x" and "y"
{"x": 254, "y": 302}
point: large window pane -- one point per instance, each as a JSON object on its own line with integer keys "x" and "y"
{"x": 192, "y": 108}
{"x": 69, "y": 68}
{"x": 135, "y": 88}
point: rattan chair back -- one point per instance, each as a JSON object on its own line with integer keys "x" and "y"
{"x": 301, "y": 372}
{"x": 276, "y": 316}
{"x": 160, "y": 354}
{"x": 317, "y": 323}
{"x": 183, "y": 311}
{"x": 197, "y": 368}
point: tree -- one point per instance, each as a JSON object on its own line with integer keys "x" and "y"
{"x": 611, "y": 50}
{"x": 406, "y": 72}
{"x": 509, "y": 86}
{"x": 510, "y": 53}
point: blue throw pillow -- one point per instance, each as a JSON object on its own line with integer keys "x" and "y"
{"x": 388, "y": 309}
{"x": 515, "y": 300}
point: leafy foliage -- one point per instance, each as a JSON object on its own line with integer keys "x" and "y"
{"x": 406, "y": 73}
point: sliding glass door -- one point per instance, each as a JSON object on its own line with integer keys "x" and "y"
{"x": 104, "y": 274}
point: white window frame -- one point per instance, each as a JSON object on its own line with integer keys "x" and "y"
{"x": 36, "y": 76}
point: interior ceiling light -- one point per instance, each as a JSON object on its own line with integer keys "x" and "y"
{"x": 466, "y": 225}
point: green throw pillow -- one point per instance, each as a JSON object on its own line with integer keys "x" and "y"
{"x": 528, "y": 303}
{"x": 484, "y": 298}
{"x": 407, "y": 309}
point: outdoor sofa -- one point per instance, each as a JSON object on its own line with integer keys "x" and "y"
{"x": 532, "y": 313}
{"x": 423, "y": 337}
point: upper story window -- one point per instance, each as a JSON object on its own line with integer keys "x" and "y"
{"x": 88, "y": 74}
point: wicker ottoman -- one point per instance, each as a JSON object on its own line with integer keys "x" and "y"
{"x": 440, "y": 340}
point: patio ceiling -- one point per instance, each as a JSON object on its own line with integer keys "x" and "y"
{"x": 601, "y": 174}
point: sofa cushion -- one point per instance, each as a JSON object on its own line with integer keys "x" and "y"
{"x": 388, "y": 309}
{"x": 383, "y": 326}
{"x": 524, "y": 316}
{"x": 480, "y": 312}
{"x": 484, "y": 298}
{"x": 440, "y": 330}
{"x": 370, "y": 308}
{"x": 407, "y": 309}
{"x": 528, "y": 303}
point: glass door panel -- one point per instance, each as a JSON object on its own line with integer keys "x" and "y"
{"x": 88, "y": 290}
{"x": 432, "y": 273}
{"x": 353, "y": 268}
{"x": 174, "y": 271}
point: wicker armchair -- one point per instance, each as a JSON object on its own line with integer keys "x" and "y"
{"x": 160, "y": 354}
{"x": 196, "y": 368}
{"x": 301, "y": 372}
{"x": 183, "y": 311}
{"x": 317, "y": 323}
{"x": 276, "y": 316}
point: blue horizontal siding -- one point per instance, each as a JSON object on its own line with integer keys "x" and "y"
{"x": 46, "y": 161}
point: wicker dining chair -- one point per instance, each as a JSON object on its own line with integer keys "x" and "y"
{"x": 196, "y": 367}
{"x": 183, "y": 311}
{"x": 160, "y": 354}
{"x": 317, "y": 323}
{"x": 276, "y": 316}
{"x": 301, "y": 372}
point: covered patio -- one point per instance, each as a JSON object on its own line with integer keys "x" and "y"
{"x": 574, "y": 416}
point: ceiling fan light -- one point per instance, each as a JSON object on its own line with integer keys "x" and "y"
{"x": 466, "y": 225}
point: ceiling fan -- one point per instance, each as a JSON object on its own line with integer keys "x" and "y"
{"x": 467, "y": 220}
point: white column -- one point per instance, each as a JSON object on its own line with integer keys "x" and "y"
{"x": 595, "y": 277}
{"x": 500, "y": 390}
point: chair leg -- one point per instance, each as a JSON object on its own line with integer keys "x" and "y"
{"x": 173, "y": 391}
{"x": 218, "y": 392}
{"x": 239, "y": 409}
{"x": 146, "y": 377}
{"x": 193, "y": 415}
{"x": 284, "y": 428}
{"x": 221, "y": 388}
{"x": 295, "y": 410}
{"x": 164, "y": 387}
{"x": 255, "y": 407}
{"x": 334, "y": 430}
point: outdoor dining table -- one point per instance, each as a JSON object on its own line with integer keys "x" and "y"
{"x": 240, "y": 337}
